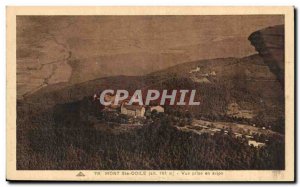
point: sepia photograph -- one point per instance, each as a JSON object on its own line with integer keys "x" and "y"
{"x": 158, "y": 94}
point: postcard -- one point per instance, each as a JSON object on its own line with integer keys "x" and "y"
{"x": 150, "y": 94}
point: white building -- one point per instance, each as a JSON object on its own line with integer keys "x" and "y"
{"x": 195, "y": 70}
{"x": 133, "y": 110}
{"x": 157, "y": 108}
{"x": 256, "y": 144}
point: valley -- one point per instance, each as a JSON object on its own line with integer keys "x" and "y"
{"x": 239, "y": 123}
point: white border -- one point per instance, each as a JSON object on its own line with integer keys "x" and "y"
{"x": 4, "y": 3}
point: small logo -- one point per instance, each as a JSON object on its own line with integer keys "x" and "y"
{"x": 80, "y": 174}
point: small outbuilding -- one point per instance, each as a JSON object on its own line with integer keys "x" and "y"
{"x": 158, "y": 108}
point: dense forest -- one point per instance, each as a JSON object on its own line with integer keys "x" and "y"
{"x": 72, "y": 136}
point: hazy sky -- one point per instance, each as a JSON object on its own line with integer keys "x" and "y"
{"x": 128, "y": 45}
